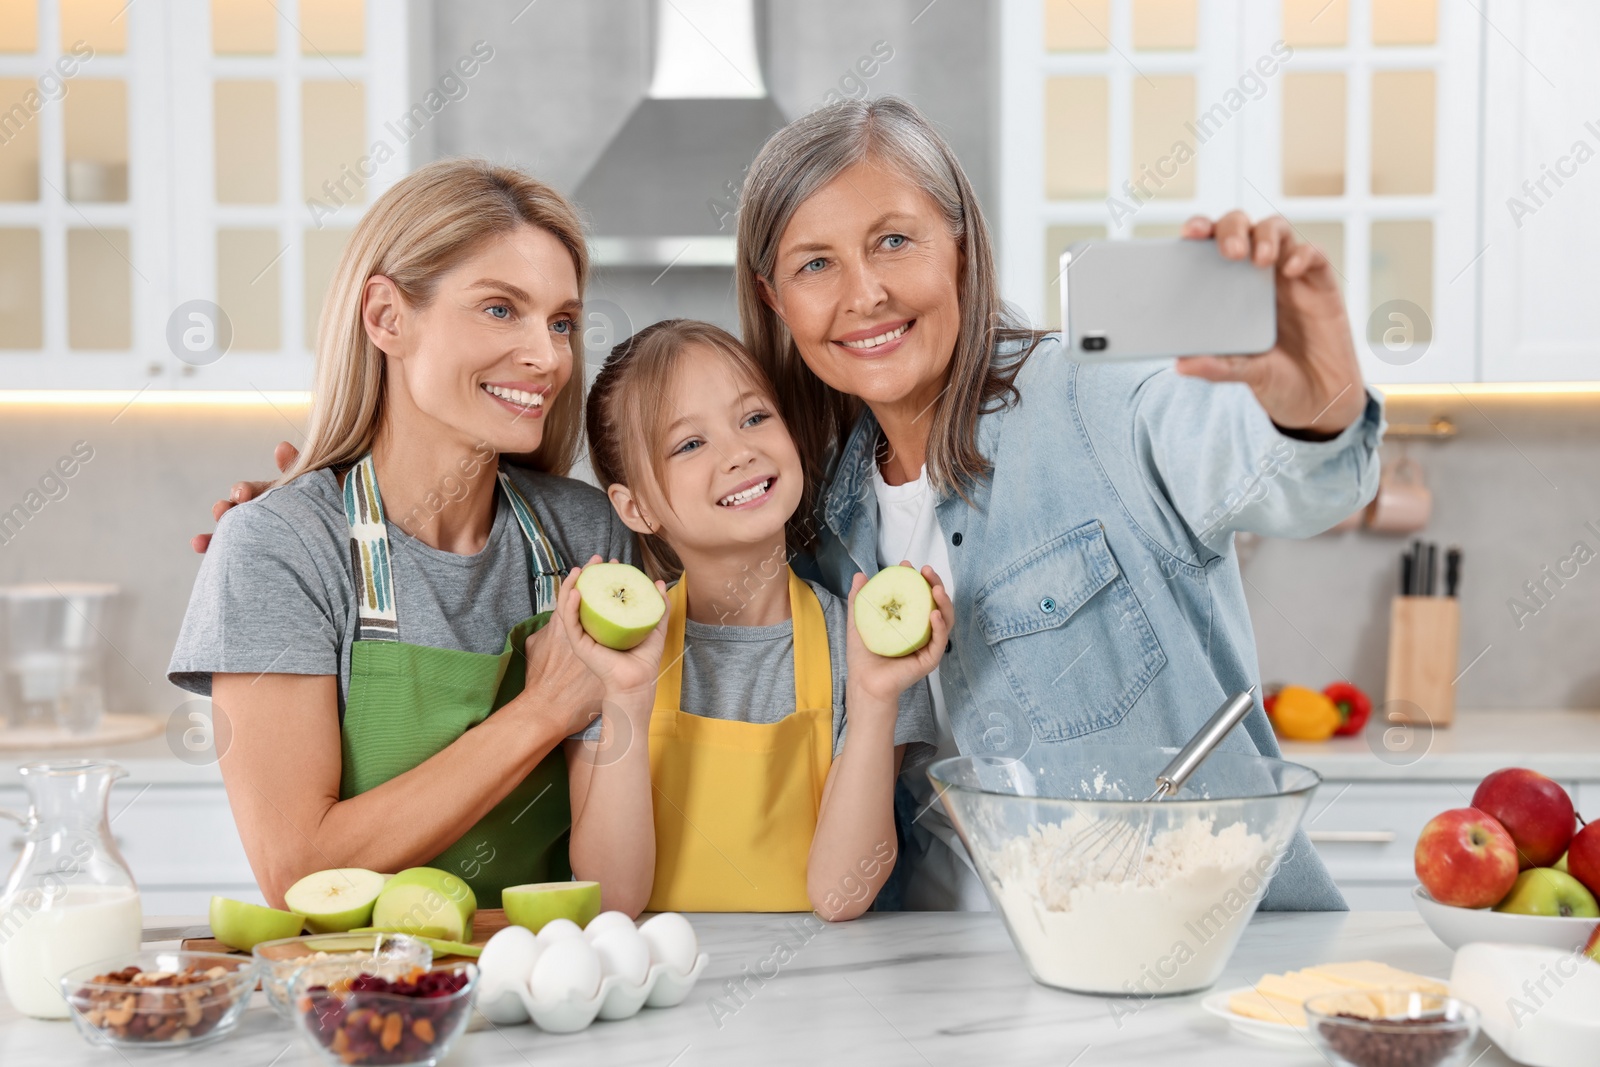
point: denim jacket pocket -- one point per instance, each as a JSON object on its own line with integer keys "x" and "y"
{"x": 1070, "y": 635}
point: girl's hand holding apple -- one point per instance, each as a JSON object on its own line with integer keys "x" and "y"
{"x": 627, "y": 671}
{"x": 883, "y": 676}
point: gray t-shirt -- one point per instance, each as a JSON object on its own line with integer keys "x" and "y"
{"x": 746, "y": 673}
{"x": 276, "y": 593}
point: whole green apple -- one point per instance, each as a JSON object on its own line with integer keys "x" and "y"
{"x": 1547, "y": 891}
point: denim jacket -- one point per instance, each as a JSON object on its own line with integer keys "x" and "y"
{"x": 1098, "y": 596}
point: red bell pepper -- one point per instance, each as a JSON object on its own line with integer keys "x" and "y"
{"x": 1354, "y": 707}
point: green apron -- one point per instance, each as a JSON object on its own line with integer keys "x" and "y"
{"x": 408, "y": 702}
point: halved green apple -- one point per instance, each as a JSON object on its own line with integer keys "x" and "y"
{"x": 538, "y": 903}
{"x": 894, "y": 612}
{"x": 619, "y": 604}
{"x": 426, "y": 902}
{"x": 335, "y": 900}
{"x": 243, "y": 926}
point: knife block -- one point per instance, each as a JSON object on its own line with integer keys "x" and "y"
{"x": 1424, "y": 644}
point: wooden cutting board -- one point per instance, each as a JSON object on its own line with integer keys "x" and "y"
{"x": 485, "y": 924}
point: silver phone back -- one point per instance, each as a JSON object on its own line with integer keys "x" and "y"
{"x": 1160, "y": 298}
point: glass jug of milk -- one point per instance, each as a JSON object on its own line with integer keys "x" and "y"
{"x": 71, "y": 899}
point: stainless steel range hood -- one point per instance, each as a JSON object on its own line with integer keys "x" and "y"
{"x": 660, "y": 192}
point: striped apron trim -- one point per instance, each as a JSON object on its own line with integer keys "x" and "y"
{"x": 370, "y": 560}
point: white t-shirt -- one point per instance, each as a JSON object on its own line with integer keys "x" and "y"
{"x": 908, "y": 529}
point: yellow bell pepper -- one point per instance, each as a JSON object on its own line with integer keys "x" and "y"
{"x": 1301, "y": 714}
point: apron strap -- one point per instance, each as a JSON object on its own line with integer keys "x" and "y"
{"x": 544, "y": 559}
{"x": 370, "y": 558}
{"x": 369, "y": 554}
{"x": 813, "y": 667}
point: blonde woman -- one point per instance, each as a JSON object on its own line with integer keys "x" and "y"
{"x": 372, "y": 630}
{"x": 1082, "y": 516}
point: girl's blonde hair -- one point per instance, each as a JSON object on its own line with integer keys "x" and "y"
{"x": 630, "y": 407}
{"x": 797, "y": 161}
{"x": 418, "y": 230}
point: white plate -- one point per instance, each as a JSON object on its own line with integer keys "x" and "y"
{"x": 1463, "y": 926}
{"x": 1278, "y": 1033}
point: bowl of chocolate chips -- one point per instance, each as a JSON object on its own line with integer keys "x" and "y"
{"x": 1391, "y": 1028}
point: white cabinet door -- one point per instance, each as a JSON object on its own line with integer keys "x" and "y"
{"x": 1541, "y": 200}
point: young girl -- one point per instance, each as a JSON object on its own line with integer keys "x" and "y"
{"x": 362, "y": 627}
{"x": 750, "y": 794}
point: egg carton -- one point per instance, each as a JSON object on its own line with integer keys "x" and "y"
{"x": 617, "y": 999}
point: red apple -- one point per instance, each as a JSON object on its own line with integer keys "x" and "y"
{"x": 1592, "y": 947}
{"x": 1534, "y": 810}
{"x": 1466, "y": 859}
{"x": 1583, "y": 857}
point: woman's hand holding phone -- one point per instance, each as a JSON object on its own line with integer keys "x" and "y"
{"x": 1310, "y": 380}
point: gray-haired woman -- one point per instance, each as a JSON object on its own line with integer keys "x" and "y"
{"x": 1082, "y": 516}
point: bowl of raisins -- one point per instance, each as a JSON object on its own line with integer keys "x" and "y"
{"x": 352, "y": 1016}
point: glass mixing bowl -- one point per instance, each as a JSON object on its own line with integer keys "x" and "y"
{"x": 1104, "y": 892}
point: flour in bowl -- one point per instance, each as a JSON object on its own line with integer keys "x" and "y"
{"x": 1169, "y": 928}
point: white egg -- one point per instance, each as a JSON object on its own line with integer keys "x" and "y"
{"x": 624, "y": 952}
{"x": 607, "y": 921}
{"x": 556, "y": 929}
{"x": 507, "y": 959}
{"x": 672, "y": 941}
{"x": 567, "y": 969}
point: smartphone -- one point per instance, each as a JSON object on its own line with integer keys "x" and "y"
{"x": 1160, "y": 298}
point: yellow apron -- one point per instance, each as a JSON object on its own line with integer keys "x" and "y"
{"x": 736, "y": 802}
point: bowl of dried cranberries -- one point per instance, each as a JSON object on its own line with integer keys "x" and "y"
{"x": 352, "y": 1016}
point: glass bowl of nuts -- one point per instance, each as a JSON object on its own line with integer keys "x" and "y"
{"x": 351, "y": 1016}
{"x": 386, "y": 955}
{"x": 1377, "y": 1028}
{"x": 159, "y": 997}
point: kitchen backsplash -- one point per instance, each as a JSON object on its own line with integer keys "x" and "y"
{"x": 1515, "y": 489}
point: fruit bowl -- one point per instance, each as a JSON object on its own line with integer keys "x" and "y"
{"x": 347, "y": 1016}
{"x": 113, "y": 1002}
{"x": 1462, "y": 926}
{"x": 1099, "y": 890}
{"x": 389, "y": 955}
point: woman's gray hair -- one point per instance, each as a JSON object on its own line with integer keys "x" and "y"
{"x": 796, "y": 162}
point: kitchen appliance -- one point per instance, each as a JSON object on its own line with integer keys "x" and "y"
{"x": 1115, "y": 848}
{"x": 1212, "y": 848}
{"x": 70, "y": 899}
{"x": 53, "y": 654}
{"x": 665, "y": 190}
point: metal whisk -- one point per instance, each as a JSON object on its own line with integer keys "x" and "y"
{"x": 1112, "y": 849}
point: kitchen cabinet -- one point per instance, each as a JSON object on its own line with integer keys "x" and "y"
{"x": 1541, "y": 197}
{"x": 179, "y": 840}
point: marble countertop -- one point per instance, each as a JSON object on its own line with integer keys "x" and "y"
{"x": 1564, "y": 744}
{"x": 891, "y": 988}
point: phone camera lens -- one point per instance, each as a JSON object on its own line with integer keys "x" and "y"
{"x": 1094, "y": 343}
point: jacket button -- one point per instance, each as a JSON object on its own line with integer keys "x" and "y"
{"x": 955, "y": 538}
{"x": 1047, "y": 605}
